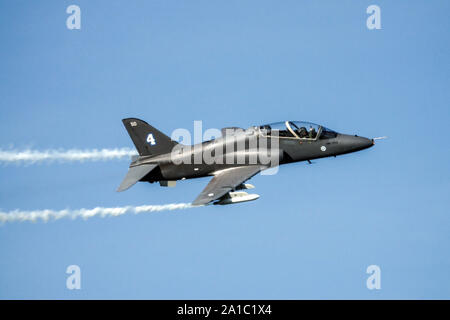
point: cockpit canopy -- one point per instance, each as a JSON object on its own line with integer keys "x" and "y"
{"x": 297, "y": 130}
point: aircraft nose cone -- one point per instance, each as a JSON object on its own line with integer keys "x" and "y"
{"x": 363, "y": 143}
{"x": 355, "y": 143}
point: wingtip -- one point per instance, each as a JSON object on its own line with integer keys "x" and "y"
{"x": 121, "y": 188}
{"x": 196, "y": 203}
{"x": 200, "y": 202}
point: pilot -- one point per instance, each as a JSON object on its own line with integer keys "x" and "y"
{"x": 302, "y": 132}
{"x": 312, "y": 132}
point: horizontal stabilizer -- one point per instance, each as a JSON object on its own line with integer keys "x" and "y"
{"x": 134, "y": 175}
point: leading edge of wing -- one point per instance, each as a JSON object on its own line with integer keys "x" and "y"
{"x": 225, "y": 181}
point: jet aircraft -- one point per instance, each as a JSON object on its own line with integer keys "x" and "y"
{"x": 233, "y": 158}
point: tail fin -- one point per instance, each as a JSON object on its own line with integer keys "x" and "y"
{"x": 147, "y": 140}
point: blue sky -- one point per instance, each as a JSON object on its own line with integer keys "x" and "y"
{"x": 315, "y": 228}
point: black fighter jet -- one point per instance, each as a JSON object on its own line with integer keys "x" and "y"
{"x": 233, "y": 158}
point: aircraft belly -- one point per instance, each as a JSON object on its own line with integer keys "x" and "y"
{"x": 208, "y": 165}
{"x": 187, "y": 171}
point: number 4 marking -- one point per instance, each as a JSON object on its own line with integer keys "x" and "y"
{"x": 151, "y": 139}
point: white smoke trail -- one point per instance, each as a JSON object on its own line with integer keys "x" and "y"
{"x": 29, "y": 156}
{"x": 46, "y": 215}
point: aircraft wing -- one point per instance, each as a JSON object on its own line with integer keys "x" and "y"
{"x": 225, "y": 181}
